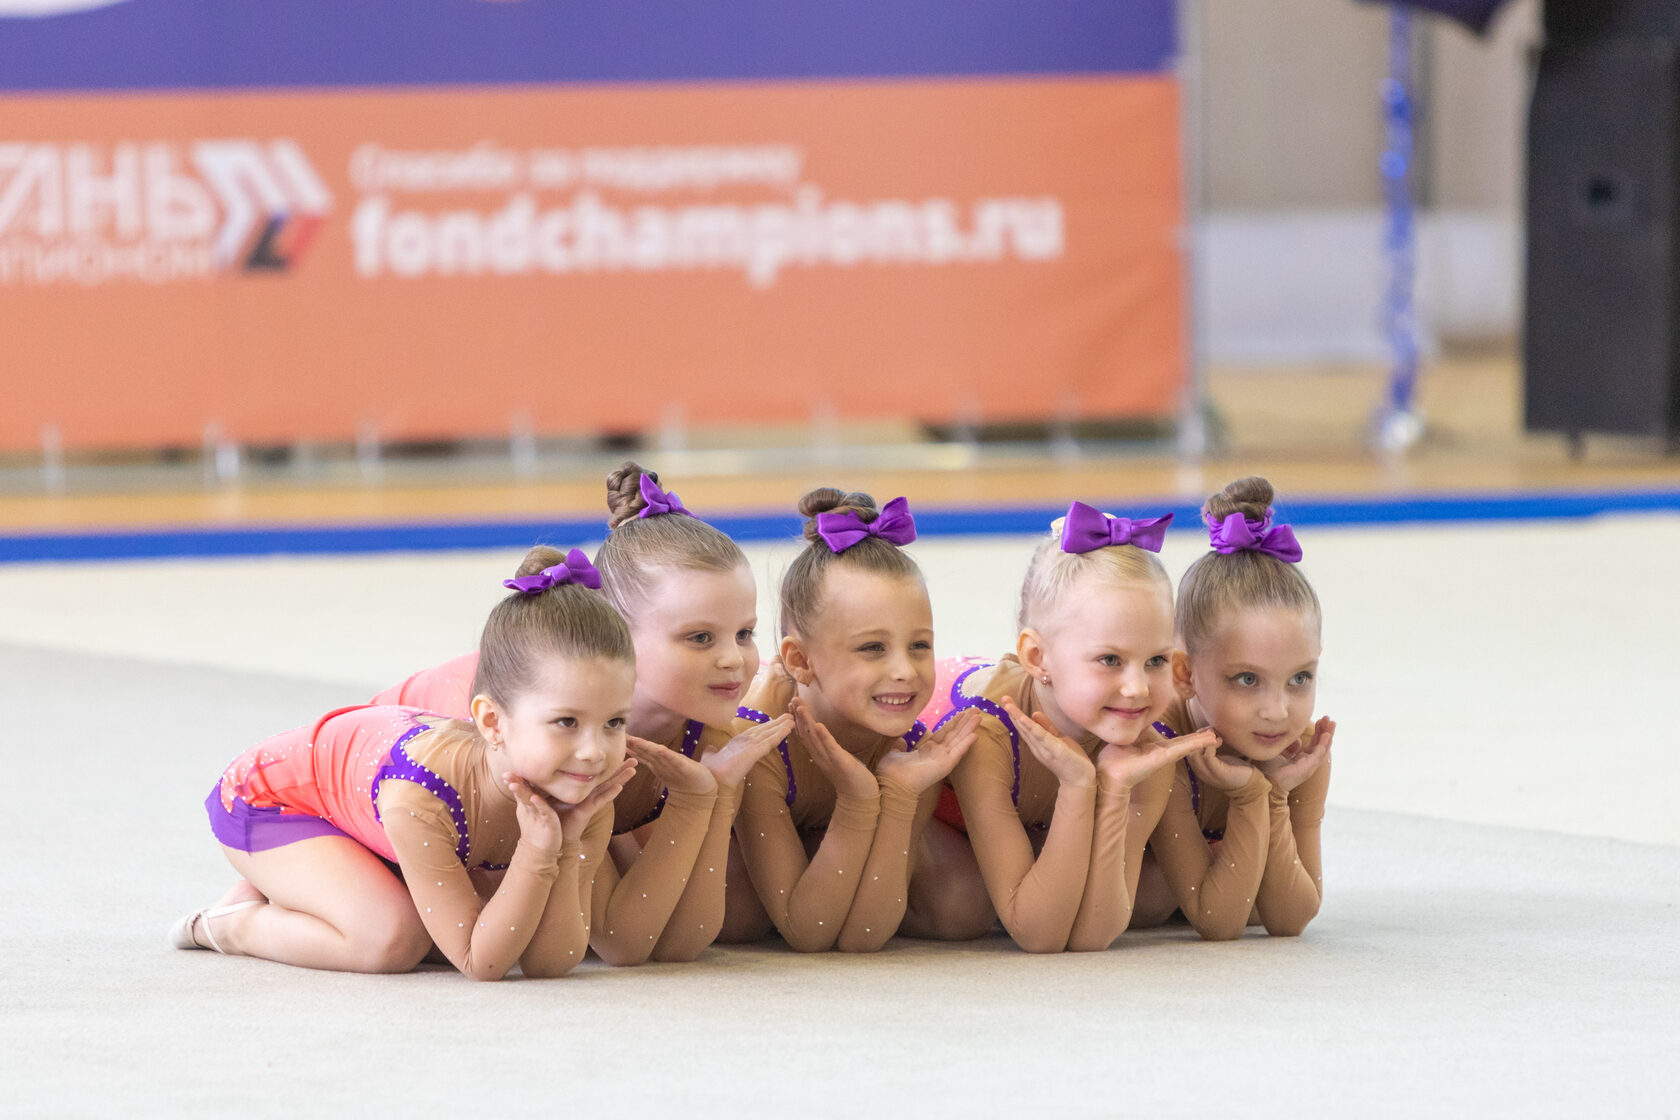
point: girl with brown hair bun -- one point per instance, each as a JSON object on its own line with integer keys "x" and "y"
{"x": 828, "y": 821}
{"x": 314, "y": 819}
{"x": 1240, "y": 838}
{"x": 691, "y": 604}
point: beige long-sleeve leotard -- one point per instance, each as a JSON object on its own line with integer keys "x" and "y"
{"x": 668, "y": 904}
{"x": 654, "y": 901}
{"x": 537, "y": 915}
{"x": 1076, "y": 891}
{"x": 1268, "y": 856}
{"x": 849, "y": 893}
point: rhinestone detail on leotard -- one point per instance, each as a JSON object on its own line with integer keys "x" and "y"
{"x": 1195, "y": 786}
{"x": 692, "y": 731}
{"x": 961, "y": 701}
{"x": 757, "y": 716}
{"x": 911, "y": 738}
{"x": 402, "y": 768}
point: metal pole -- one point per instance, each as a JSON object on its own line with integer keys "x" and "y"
{"x": 1193, "y": 402}
{"x": 1398, "y": 425}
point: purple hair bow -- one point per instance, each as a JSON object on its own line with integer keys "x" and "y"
{"x": 1086, "y": 529}
{"x": 575, "y": 568}
{"x": 841, "y": 531}
{"x": 658, "y": 501}
{"x": 1237, "y": 533}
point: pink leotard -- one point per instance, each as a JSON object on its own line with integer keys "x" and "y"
{"x": 445, "y": 689}
{"x": 331, "y": 770}
{"x": 949, "y": 698}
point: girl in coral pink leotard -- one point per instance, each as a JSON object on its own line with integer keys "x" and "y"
{"x": 314, "y": 820}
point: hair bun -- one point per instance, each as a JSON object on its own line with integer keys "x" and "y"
{"x": 624, "y": 493}
{"x": 1251, "y": 497}
{"x": 540, "y": 557}
{"x": 826, "y": 499}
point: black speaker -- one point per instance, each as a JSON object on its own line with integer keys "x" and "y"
{"x": 1602, "y": 325}
{"x": 1579, "y": 21}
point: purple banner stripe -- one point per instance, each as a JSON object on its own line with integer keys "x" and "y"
{"x": 211, "y": 44}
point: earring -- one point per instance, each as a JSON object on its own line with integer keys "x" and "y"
{"x": 1045, "y": 678}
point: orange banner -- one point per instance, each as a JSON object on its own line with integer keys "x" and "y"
{"x": 432, "y": 262}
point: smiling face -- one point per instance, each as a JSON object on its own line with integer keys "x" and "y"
{"x": 695, "y": 653}
{"x": 1107, "y": 649}
{"x": 566, "y": 731}
{"x": 867, "y": 667}
{"x": 1255, "y": 679}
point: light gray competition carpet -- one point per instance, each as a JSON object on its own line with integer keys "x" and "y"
{"x": 1466, "y": 962}
{"x": 1456, "y": 968}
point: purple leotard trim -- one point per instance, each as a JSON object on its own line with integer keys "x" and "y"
{"x": 787, "y": 762}
{"x": 1195, "y": 786}
{"x": 692, "y": 730}
{"x": 402, "y": 768}
{"x": 911, "y": 738}
{"x": 962, "y": 702}
{"x": 254, "y": 828}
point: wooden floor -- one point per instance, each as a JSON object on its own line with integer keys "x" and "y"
{"x": 1306, "y": 429}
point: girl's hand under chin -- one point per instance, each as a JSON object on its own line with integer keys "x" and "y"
{"x": 539, "y": 822}
{"x": 1228, "y": 772}
{"x": 673, "y": 770}
{"x": 1302, "y": 758}
{"x": 575, "y": 818}
{"x": 849, "y": 776}
{"x": 1060, "y": 755}
{"x": 934, "y": 757}
{"x": 1125, "y": 766}
{"x": 729, "y": 763}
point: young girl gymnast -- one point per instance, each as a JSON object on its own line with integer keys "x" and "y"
{"x": 313, "y": 819}
{"x": 1240, "y": 838}
{"x": 827, "y": 822}
{"x": 1060, "y": 793}
{"x": 688, "y": 595}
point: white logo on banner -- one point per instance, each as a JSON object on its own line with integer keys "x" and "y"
{"x": 87, "y": 214}
{"x": 610, "y": 216}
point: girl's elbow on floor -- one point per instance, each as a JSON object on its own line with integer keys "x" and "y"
{"x": 545, "y": 970}
{"x": 622, "y": 956}
{"x": 1091, "y": 944}
{"x": 1292, "y": 926}
{"x": 1034, "y": 941}
{"x": 1221, "y": 931}
{"x": 680, "y": 954}
{"x": 862, "y": 943}
{"x": 807, "y": 943}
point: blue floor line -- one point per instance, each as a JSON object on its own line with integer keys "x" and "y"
{"x": 441, "y": 536}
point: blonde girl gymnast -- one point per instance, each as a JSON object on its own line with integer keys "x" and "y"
{"x": 1053, "y": 805}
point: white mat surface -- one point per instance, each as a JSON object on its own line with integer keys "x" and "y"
{"x": 1484, "y": 678}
